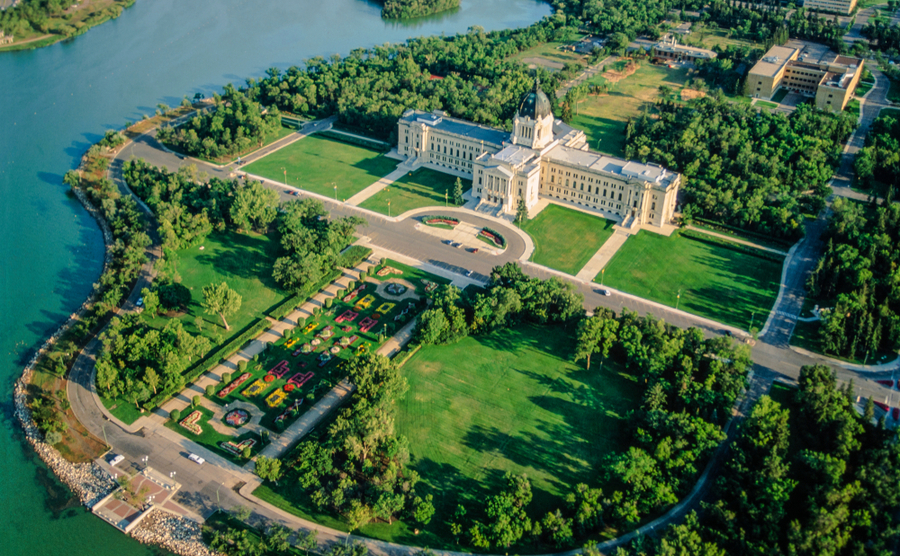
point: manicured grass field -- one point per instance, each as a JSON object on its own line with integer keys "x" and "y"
{"x": 414, "y": 275}
{"x": 317, "y": 164}
{"x": 766, "y": 105}
{"x": 550, "y": 52}
{"x": 604, "y": 118}
{"x": 422, "y": 188}
{"x": 864, "y": 87}
{"x": 725, "y": 285}
{"x": 211, "y": 438}
{"x": 566, "y": 239}
{"x": 245, "y": 262}
{"x": 511, "y": 401}
{"x": 779, "y": 96}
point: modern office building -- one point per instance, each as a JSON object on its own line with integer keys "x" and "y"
{"x": 843, "y": 7}
{"x": 817, "y": 72}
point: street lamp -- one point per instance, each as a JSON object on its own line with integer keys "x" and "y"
{"x": 285, "y": 176}
{"x": 335, "y": 190}
{"x": 602, "y": 272}
{"x": 446, "y": 194}
{"x": 389, "y": 208}
{"x": 677, "y": 299}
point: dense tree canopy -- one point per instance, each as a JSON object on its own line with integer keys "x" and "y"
{"x": 877, "y": 165}
{"x": 234, "y": 125}
{"x": 753, "y": 169}
{"x": 859, "y": 274}
{"x": 405, "y": 9}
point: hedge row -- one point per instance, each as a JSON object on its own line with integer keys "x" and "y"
{"x": 763, "y": 237}
{"x": 355, "y": 140}
{"x": 352, "y": 256}
{"x": 497, "y": 236}
{"x": 405, "y": 354}
{"x": 284, "y": 309}
{"x": 712, "y": 240}
{"x": 212, "y": 360}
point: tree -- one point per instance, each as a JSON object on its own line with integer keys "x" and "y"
{"x": 53, "y": 437}
{"x": 151, "y": 302}
{"x": 521, "y": 212}
{"x": 255, "y": 206}
{"x": 358, "y": 515}
{"x": 151, "y": 377}
{"x": 241, "y": 513}
{"x": 387, "y": 505}
{"x": 219, "y": 299}
{"x": 458, "y": 193}
{"x": 423, "y": 509}
{"x": 596, "y": 334}
{"x": 72, "y": 179}
{"x": 306, "y": 540}
{"x": 268, "y": 469}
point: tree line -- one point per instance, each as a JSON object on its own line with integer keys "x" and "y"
{"x": 407, "y": 9}
{"x": 858, "y": 273}
{"x": 689, "y": 387}
{"x": 789, "y": 487}
{"x": 234, "y": 125}
{"x": 753, "y": 169}
{"x": 877, "y": 164}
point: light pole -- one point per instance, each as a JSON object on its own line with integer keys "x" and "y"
{"x": 677, "y": 299}
{"x": 602, "y": 272}
{"x": 104, "y": 435}
{"x": 752, "y": 314}
{"x": 285, "y": 176}
{"x": 446, "y": 194}
{"x": 389, "y": 208}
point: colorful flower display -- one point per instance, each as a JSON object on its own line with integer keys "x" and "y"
{"x": 192, "y": 422}
{"x": 234, "y": 385}
{"x": 275, "y": 398}
{"x": 255, "y": 389}
{"x": 237, "y": 417}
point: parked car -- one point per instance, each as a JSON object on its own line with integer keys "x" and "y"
{"x": 474, "y": 250}
{"x": 728, "y": 333}
{"x": 447, "y": 242}
{"x": 140, "y": 302}
{"x": 607, "y": 293}
{"x": 115, "y": 459}
{"x": 458, "y": 245}
{"x": 468, "y": 273}
{"x": 196, "y": 459}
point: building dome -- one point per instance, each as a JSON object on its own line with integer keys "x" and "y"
{"x": 535, "y": 104}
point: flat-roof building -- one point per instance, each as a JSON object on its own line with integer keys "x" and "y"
{"x": 843, "y": 7}
{"x": 542, "y": 157}
{"x": 817, "y": 72}
{"x": 668, "y": 50}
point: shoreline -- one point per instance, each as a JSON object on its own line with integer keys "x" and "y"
{"x": 50, "y": 39}
{"x": 88, "y": 481}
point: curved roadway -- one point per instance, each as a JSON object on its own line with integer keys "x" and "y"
{"x": 208, "y": 487}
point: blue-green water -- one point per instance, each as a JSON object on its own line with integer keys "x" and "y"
{"x": 55, "y": 102}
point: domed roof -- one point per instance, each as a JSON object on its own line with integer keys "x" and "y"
{"x": 535, "y": 104}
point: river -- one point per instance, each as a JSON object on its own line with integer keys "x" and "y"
{"x": 55, "y": 102}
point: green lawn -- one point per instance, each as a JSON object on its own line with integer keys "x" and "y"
{"x": 864, "y": 87}
{"x": 245, "y": 262}
{"x": 211, "y": 438}
{"x": 765, "y": 104}
{"x": 717, "y": 282}
{"x": 604, "y": 118}
{"x": 566, "y": 239}
{"x": 892, "y": 112}
{"x": 780, "y": 94}
{"x": 317, "y": 164}
{"x": 550, "y": 52}
{"x": 416, "y": 276}
{"x": 422, "y": 188}
{"x": 853, "y": 107}
{"x": 508, "y": 401}
{"x": 894, "y": 91}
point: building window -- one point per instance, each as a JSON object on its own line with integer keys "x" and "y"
{"x": 620, "y": 196}
{"x": 653, "y": 206}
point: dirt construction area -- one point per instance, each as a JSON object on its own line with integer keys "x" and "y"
{"x": 620, "y": 71}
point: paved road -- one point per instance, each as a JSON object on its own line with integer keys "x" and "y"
{"x": 207, "y": 487}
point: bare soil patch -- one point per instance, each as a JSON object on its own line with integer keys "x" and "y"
{"x": 614, "y": 76}
{"x": 691, "y": 94}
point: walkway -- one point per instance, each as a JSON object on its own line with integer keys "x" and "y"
{"x": 733, "y": 239}
{"x": 378, "y": 185}
{"x": 603, "y": 255}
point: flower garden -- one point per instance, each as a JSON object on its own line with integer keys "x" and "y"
{"x": 448, "y": 222}
{"x": 297, "y": 370}
{"x": 194, "y": 424}
{"x": 492, "y": 237}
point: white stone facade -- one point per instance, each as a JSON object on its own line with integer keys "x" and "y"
{"x": 542, "y": 157}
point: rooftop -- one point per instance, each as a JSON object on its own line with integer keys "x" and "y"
{"x": 438, "y": 120}
{"x": 774, "y": 60}
{"x": 515, "y": 155}
{"x": 614, "y": 166}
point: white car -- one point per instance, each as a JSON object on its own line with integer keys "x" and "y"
{"x": 115, "y": 459}
{"x": 607, "y": 293}
{"x": 196, "y": 459}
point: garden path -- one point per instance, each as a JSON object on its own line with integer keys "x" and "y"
{"x": 379, "y": 185}
{"x": 603, "y": 255}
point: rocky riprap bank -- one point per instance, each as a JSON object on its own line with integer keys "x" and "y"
{"x": 178, "y": 535}
{"x": 88, "y": 480}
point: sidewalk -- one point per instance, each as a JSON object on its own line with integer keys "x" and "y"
{"x": 603, "y": 255}
{"x": 378, "y": 185}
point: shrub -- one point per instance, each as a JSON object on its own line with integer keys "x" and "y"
{"x": 363, "y": 276}
{"x": 329, "y": 301}
{"x": 242, "y": 366}
{"x": 351, "y": 285}
{"x": 174, "y": 296}
{"x": 226, "y": 377}
{"x": 493, "y": 235}
{"x": 210, "y": 390}
{"x": 175, "y": 414}
{"x": 352, "y": 256}
{"x": 246, "y": 452}
{"x": 195, "y": 401}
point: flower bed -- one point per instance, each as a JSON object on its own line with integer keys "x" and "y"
{"x": 366, "y": 324}
{"x": 310, "y": 327}
{"x": 352, "y": 295}
{"x": 347, "y": 342}
{"x": 388, "y": 270}
{"x": 281, "y": 368}
{"x": 237, "y": 449}
{"x": 291, "y": 409}
{"x": 234, "y": 385}
{"x": 384, "y": 308}
{"x": 237, "y": 417}
{"x": 495, "y": 237}
{"x": 255, "y": 389}
{"x": 191, "y": 422}
{"x": 275, "y": 398}
{"x": 300, "y": 379}
{"x": 429, "y": 285}
{"x": 289, "y": 387}
{"x": 347, "y": 316}
{"x": 441, "y": 220}
{"x": 364, "y": 303}
{"x": 269, "y": 378}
